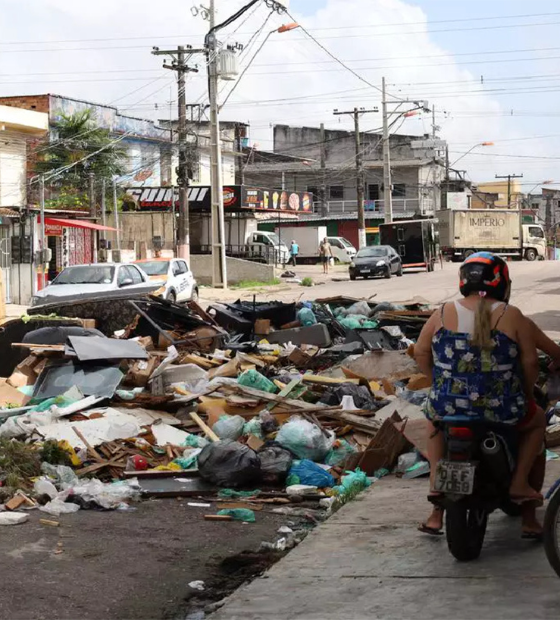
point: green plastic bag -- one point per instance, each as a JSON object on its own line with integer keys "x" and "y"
{"x": 239, "y": 514}
{"x": 340, "y": 451}
{"x": 254, "y": 379}
{"x": 231, "y": 494}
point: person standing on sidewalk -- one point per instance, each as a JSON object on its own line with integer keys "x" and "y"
{"x": 294, "y": 251}
{"x": 325, "y": 252}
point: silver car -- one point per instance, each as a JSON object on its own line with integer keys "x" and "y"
{"x": 95, "y": 280}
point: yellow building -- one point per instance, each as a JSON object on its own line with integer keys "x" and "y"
{"x": 501, "y": 189}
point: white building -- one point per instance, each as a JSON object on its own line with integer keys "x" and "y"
{"x": 17, "y": 225}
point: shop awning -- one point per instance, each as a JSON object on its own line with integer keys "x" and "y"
{"x": 56, "y": 221}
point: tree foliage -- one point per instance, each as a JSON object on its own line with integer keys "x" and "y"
{"x": 77, "y": 136}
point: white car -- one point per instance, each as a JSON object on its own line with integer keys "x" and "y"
{"x": 342, "y": 249}
{"x": 180, "y": 284}
{"x": 100, "y": 279}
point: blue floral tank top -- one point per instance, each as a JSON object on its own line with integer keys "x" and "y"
{"x": 475, "y": 383}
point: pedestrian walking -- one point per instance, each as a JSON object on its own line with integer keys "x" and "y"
{"x": 294, "y": 251}
{"x": 325, "y": 252}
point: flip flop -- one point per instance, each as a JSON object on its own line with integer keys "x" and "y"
{"x": 431, "y": 531}
{"x": 536, "y": 536}
{"x": 519, "y": 499}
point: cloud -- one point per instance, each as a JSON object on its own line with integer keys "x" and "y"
{"x": 291, "y": 81}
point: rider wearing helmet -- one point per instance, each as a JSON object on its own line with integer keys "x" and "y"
{"x": 483, "y": 361}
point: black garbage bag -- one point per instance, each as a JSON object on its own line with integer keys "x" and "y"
{"x": 361, "y": 395}
{"x": 229, "y": 464}
{"x": 275, "y": 463}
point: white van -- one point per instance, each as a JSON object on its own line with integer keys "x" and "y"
{"x": 342, "y": 249}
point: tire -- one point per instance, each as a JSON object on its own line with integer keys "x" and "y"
{"x": 551, "y": 538}
{"x": 172, "y": 297}
{"x": 352, "y": 277}
{"x": 195, "y": 296}
{"x": 465, "y": 528}
{"x": 531, "y": 255}
{"x": 388, "y": 275}
{"x": 400, "y": 272}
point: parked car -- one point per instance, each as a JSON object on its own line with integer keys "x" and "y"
{"x": 180, "y": 284}
{"x": 378, "y": 260}
{"x": 94, "y": 280}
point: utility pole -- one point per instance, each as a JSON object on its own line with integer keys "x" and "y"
{"x": 360, "y": 180}
{"x": 179, "y": 64}
{"x": 219, "y": 265}
{"x": 434, "y": 166}
{"x": 116, "y": 209}
{"x": 387, "y": 183}
{"x": 91, "y": 179}
{"x": 103, "y": 207}
{"x": 323, "y": 188}
{"x": 509, "y": 177}
{"x": 42, "y": 253}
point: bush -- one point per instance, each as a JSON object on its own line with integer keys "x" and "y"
{"x": 307, "y": 282}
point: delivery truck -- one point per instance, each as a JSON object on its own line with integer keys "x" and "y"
{"x": 415, "y": 241}
{"x": 309, "y": 238}
{"x": 501, "y": 231}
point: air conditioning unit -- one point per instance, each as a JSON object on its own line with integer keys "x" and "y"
{"x": 228, "y": 66}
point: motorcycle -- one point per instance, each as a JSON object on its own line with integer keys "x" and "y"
{"x": 473, "y": 480}
{"x": 551, "y": 527}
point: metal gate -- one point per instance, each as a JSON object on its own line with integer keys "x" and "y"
{"x": 6, "y": 261}
{"x": 80, "y": 246}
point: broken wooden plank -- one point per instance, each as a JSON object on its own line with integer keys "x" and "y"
{"x": 321, "y": 380}
{"x": 285, "y": 393}
{"x": 218, "y": 518}
{"x": 89, "y": 447}
{"x": 204, "y": 427}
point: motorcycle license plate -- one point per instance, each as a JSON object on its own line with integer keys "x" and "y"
{"x": 455, "y": 478}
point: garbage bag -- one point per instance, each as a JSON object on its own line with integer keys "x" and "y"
{"x": 304, "y": 439}
{"x": 360, "y": 307}
{"x": 352, "y": 322}
{"x": 57, "y": 507}
{"x": 306, "y": 317}
{"x": 229, "y": 464}
{"x": 229, "y": 427}
{"x": 269, "y": 424}
{"x": 239, "y": 514}
{"x": 253, "y": 427}
{"x": 254, "y": 379}
{"x": 275, "y": 463}
{"x": 61, "y": 475}
{"x": 360, "y": 394}
{"x": 340, "y": 451}
{"x": 107, "y": 495}
{"x": 308, "y": 473}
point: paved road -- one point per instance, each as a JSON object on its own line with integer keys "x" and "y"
{"x": 536, "y": 289}
{"x": 368, "y": 561}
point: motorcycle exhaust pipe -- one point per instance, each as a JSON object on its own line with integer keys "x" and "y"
{"x": 496, "y": 459}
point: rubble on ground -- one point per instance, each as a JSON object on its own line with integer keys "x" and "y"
{"x": 298, "y": 407}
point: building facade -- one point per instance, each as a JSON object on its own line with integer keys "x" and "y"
{"x": 304, "y": 159}
{"x": 18, "y": 229}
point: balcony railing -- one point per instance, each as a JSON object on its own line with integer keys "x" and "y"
{"x": 401, "y": 206}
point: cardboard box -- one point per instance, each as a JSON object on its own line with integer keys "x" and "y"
{"x": 10, "y": 396}
{"x": 262, "y": 327}
{"x": 28, "y": 367}
{"x": 18, "y": 379}
{"x": 140, "y": 371}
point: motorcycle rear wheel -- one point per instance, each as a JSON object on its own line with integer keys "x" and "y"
{"x": 465, "y": 528}
{"x": 551, "y": 535}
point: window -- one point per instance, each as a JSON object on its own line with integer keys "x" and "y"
{"x": 135, "y": 275}
{"x": 260, "y": 239}
{"x": 335, "y": 243}
{"x": 402, "y": 250}
{"x": 313, "y": 189}
{"x": 179, "y": 267}
{"x": 399, "y": 190}
{"x": 123, "y": 275}
{"x": 536, "y": 231}
{"x": 336, "y": 192}
{"x": 184, "y": 266}
{"x": 373, "y": 191}
{"x": 400, "y": 234}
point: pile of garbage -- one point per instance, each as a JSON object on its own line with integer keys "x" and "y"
{"x": 242, "y": 404}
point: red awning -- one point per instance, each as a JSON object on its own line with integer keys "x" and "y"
{"x": 56, "y": 221}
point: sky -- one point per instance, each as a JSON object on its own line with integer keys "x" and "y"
{"x": 488, "y": 67}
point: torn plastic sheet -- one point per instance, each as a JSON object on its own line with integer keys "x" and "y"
{"x": 100, "y": 348}
{"x": 165, "y": 434}
{"x": 91, "y": 380}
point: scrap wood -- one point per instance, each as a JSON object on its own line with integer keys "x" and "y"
{"x": 285, "y": 393}
{"x": 192, "y": 358}
{"x": 218, "y": 518}
{"x": 40, "y": 348}
{"x": 204, "y": 427}
{"x": 299, "y": 404}
{"x": 227, "y": 504}
{"x": 322, "y": 380}
{"x": 90, "y": 469}
{"x": 92, "y": 451}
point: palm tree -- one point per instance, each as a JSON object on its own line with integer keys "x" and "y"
{"x": 76, "y": 137}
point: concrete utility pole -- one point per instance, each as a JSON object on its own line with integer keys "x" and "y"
{"x": 323, "y": 188}
{"x": 91, "y": 178}
{"x": 103, "y": 209}
{"x": 42, "y": 253}
{"x": 387, "y": 183}
{"x": 180, "y": 65}
{"x": 360, "y": 179}
{"x": 116, "y": 208}
{"x": 219, "y": 264}
{"x": 509, "y": 177}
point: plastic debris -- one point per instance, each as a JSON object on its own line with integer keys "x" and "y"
{"x": 239, "y": 514}
{"x": 229, "y": 464}
{"x": 304, "y": 439}
{"x": 307, "y": 472}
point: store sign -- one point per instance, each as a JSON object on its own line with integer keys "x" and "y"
{"x": 236, "y": 198}
{"x": 54, "y": 230}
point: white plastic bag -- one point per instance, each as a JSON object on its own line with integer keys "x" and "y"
{"x": 12, "y": 518}
{"x": 43, "y": 486}
{"x": 58, "y": 507}
{"x": 304, "y": 439}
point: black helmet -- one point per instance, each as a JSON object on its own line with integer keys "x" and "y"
{"x": 487, "y": 274}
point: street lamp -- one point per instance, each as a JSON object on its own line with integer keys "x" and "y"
{"x": 471, "y": 150}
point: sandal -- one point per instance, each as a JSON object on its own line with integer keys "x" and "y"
{"x": 431, "y": 531}
{"x": 532, "y": 535}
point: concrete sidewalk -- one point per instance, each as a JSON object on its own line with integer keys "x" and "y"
{"x": 368, "y": 561}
